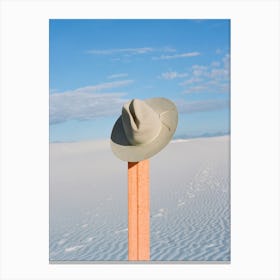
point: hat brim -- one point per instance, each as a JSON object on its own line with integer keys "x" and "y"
{"x": 133, "y": 153}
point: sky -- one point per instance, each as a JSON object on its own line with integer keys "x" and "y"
{"x": 96, "y": 66}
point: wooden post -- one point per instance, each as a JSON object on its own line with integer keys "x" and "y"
{"x": 138, "y": 211}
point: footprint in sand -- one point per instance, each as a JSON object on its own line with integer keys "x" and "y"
{"x": 74, "y": 248}
{"x": 157, "y": 215}
{"x": 62, "y": 241}
{"x": 181, "y": 203}
{"x": 89, "y": 239}
{"x": 121, "y": 230}
{"x": 161, "y": 213}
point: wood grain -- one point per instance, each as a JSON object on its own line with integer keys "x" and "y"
{"x": 138, "y": 211}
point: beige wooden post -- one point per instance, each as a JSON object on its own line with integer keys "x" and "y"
{"x": 138, "y": 211}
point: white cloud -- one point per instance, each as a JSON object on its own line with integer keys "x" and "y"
{"x": 87, "y": 102}
{"x": 128, "y": 51}
{"x": 104, "y": 86}
{"x": 219, "y": 73}
{"x": 117, "y": 76}
{"x": 215, "y": 64}
{"x": 83, "y": 105}
{"x": 196, "y": 89}
{"x": 213, "y": 78}
{"x": 201, "y": 106}
{"x": 226, "y": 61}
{"x": 191, "y": 81}
{"x": 172, "y": 75}
{"x": 168, "y": 49}
{"x": 199, "y": 70}
{"x": 182, "y": 55}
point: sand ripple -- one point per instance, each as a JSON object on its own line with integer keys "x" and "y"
{"x": 190, "y": 211}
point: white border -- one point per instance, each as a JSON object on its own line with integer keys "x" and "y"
{"x": 254, "y": 127}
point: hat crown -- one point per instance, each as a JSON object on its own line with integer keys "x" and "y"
{"x": 140, "y": 122}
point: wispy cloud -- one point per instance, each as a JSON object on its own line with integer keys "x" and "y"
{"x": 201, "y": 106}
{"x": 87, "y": 102}
{"x": 215, "y": 64}
{"x": 167, "y": 49}
{"x": 213, "y": 78}
{"x": 218, "y": 74}
{"x": 131, "y": 51}
{"x": 117, "y": 76}
{"x": 103, "y": 86}
{"x": 172, "y": 75}
{"x": 199, "y": 70}
{"x": 191, "y": 81}
{"x": 83, "y": 106}
{"x": 175, "y": 56}
{"x": 196, "y": 89}
{"x": 128, "y": 51}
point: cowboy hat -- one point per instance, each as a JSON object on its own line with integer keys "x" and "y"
{"x": 144, "y": 128}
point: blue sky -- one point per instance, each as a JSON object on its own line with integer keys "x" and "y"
{"x": 98, "y": 65}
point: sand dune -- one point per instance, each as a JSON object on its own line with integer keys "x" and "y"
{"x": 190, "y": 202}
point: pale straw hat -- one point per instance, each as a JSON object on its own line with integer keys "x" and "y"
{"x": 144, "y": 128}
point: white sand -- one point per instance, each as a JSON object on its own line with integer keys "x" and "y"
{"x": 190, "y": 202}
